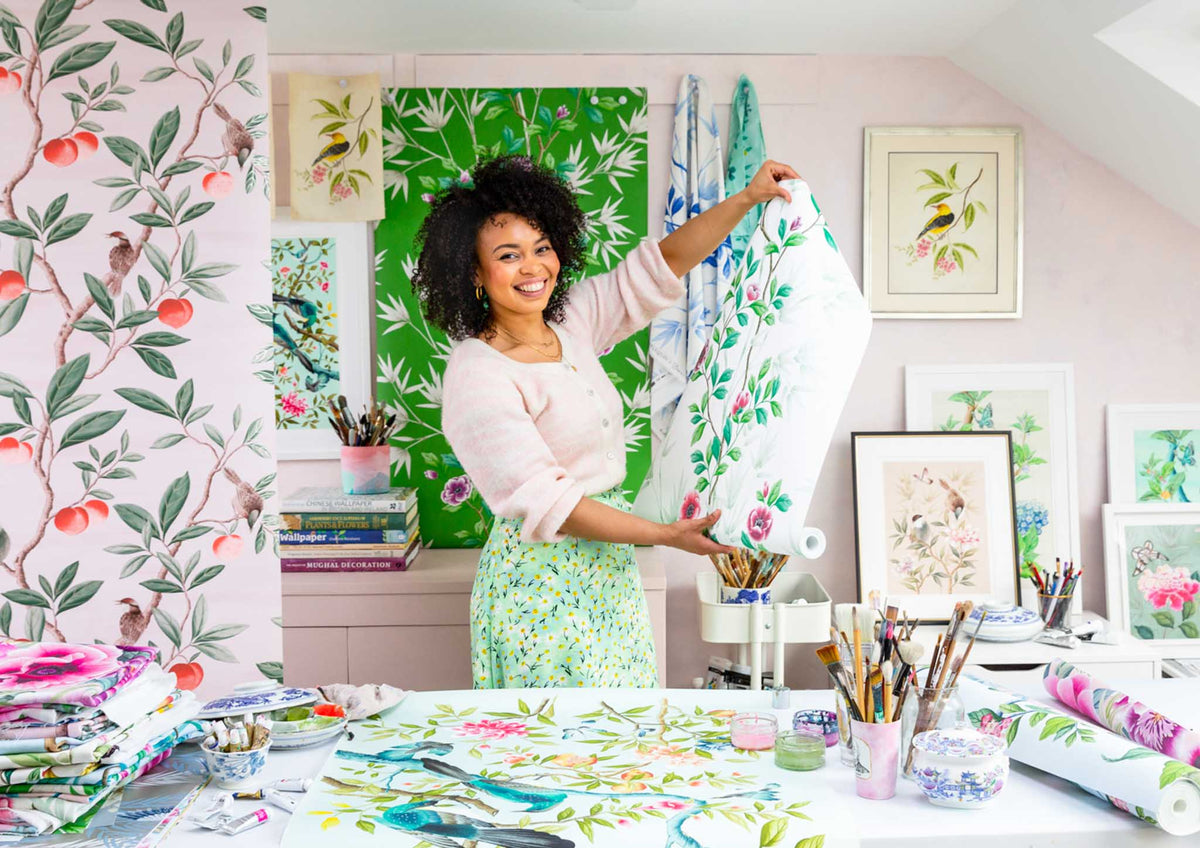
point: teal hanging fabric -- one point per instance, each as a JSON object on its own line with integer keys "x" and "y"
{"x": 747, "y": 153}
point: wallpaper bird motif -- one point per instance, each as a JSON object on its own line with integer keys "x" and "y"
{"x": 135, "y": 436}
{"x": 595, "y": 138}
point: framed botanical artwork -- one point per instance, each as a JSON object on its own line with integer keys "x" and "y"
{"x": 1152, "y": 571}
{"x": 1152, "y": 453}
{"x": 321, "y": 297}
{"x": 942, "y": 222}
{"x": 933, "y": 519}
{"x": 1036, "y": 403}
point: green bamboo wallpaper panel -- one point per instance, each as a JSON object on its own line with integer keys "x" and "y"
{"x": 593, "y": 137}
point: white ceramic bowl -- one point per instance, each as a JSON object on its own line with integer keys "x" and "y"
{"x": 963, "y": 769}
{"x": 305, "y": 738}
{"x": 235, "y": 770}
{"x": 1005, "y": 622}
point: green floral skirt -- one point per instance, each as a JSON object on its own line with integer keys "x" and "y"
{"x": 571, "y": 613}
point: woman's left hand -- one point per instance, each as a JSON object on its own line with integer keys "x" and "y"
{"x": 765, "y": 184}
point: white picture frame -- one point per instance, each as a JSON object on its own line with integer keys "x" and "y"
{"x": 1051, "y": 392}
{"x": 893, "y": 156}
{"x": 354, "y": 300}
{"x": 881, "y": 463}
{"x": 1129, "y": 444}
{"x": 1122, "y": 522}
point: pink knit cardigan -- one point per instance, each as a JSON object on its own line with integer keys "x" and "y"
{"x": 536, "y": 437}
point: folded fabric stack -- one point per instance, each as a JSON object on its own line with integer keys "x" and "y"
{"x": 77, "y": 723}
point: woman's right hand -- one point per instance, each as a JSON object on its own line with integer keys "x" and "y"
{"x": 688, "y": 534}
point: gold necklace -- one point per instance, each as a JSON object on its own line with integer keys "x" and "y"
{"x": 535, "y": 345}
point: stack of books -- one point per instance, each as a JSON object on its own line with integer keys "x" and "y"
{"x": 327, "y": 530}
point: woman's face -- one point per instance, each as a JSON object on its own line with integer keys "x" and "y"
{"x": 518, "y": 267}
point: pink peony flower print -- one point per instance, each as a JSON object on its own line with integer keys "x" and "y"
{"x": 456, "y": 490}
{"x": 758, "y": 525}
{"x": 293, "y": 404}
{"x": 753, "y": 292}
{"x": 991, "y": 727}
{"x": 430, "y": 474}
{"x": 740, "y": 403}
{"x": 323, "y": 264}
{"x": 1070, "y": 689}
{"x": 1168, "y": 587}
{"x": 42, "y": 665}
{"x": 493, "y": 728}
{"x": 285, "y": 270}
{"x": 691, "y": 506}
{"x": 562, "y": 112}
{"x": 964, "y": 536}
{"x": 1150, "y": 728}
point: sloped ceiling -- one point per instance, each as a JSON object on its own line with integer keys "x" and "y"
{"x": 1112, "y": 76}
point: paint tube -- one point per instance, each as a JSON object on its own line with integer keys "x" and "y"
{"x": 222, "y": 737}
{"x": 256, "y": 795}
{"x": 261, "y": 731}
{"x": 212, "y": 815}
{"x": 280, "y": 800}
{"x": 292, "y": 784}
{"x": 243, "y": 823}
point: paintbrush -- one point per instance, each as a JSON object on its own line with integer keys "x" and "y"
{"x": 875, "y": 690}
{"x": 831, "y": 658}
{"x": 962, "y": 661}
{"x": 859, "y": 682}
{"x": 910, "y": 654}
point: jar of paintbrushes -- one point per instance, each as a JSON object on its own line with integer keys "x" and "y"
{"x": 932, "y": 702}
{"x": 365, "y": 451}
{"x": 870, "y": 664}
{"x": 746, "y": 575}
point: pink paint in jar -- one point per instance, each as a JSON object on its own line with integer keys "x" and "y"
{"x": 753, "y": 731}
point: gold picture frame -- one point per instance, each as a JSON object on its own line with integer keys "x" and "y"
{"x": 942, "y": 222}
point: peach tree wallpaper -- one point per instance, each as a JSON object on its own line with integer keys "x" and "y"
{"x": 136, "y": 435}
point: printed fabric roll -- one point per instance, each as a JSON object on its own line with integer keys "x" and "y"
{"x": 1133, "y": 778}
{"x": 1121, "y": 714}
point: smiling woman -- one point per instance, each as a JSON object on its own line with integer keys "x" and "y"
{"x": 537, "y": 424}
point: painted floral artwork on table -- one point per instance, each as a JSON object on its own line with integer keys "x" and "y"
{"x": 1164, "y": 459}
{"x": 564, "y": 769}
{"x": 135, "y": 463}
{"x": 1023, "y": 412}
{"x": 760, "y": 407}
{"x": 1163, "y": 573}
{"x": 938, "y": 223}
{"x": 937, "y": 519}
{"x": 595, "y": 138}
{"x": 305, "y": 330}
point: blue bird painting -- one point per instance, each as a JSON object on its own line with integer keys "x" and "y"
{"x": 442, "y": 828}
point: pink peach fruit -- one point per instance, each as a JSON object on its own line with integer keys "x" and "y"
{"x": 61, "y": 152}
{"x": 187, "y": 675}
{"x": 175, "y": 312}
{"x": 227, "y": 547}
{"x": 86, "y": 142}
{"x": 10, "y": 81}
{"x": 14, "y": 452}
{"x": 218, "y": 184}
{"x": 71, "y": 520}
{"x": 97, "y": 510}
{"x": 12, "y": 285}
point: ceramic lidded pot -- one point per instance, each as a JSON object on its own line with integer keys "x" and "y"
{"x": 1005, "y": 622}
{"x": 959, "y": 768}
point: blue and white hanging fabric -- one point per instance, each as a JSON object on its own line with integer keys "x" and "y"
{"x": 678, "y": 334}
{"x": 747, "y": 153}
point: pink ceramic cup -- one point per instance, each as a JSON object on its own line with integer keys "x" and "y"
{"x": 876, "y": 758}
{"x": 365, "y": 470}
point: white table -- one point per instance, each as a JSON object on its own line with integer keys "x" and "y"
{"x": 1034, "y": 810}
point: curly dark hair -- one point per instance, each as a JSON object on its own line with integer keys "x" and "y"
{"x": 444, "y": 277}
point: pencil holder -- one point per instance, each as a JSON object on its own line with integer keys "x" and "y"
{"x": 876, "y": 758}
{"x": 1054, "y": 609}
{"x": 365, "y": 470}
{"x": 740, "y": 595}
{"x": 928, "y": 708}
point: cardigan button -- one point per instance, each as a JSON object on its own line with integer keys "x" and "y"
{"x": 611, "y": 455}
{"x": 604, "y": 423}
{"x": 591, "y": 392}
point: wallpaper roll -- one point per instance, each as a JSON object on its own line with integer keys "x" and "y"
{"x": 1139, "y": 781}
{"x": 1121, "y": 714}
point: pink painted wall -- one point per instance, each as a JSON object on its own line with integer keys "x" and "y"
{"x": 1108, "y": 272}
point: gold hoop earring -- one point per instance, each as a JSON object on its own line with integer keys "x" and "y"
{"x": 478, "y": 292}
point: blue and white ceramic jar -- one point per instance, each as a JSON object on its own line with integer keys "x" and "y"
{"x": 963, "y": 769}
{"x": 236, "y": 769}
{"x": 739, "y": 595}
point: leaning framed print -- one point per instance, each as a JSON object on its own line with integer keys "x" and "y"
{"x": 1036, "y": 402}
{"x": 1152, "y": 572}
{"x": 320, "y": 322}
{"x": 942, "y": 222}
{"x": 933, "y": 519}
{"x": 1152, "y": 453}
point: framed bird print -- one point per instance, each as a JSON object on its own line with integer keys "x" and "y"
{"x": 335, "y": 128}
{"x": 1152, "y": 569}
{"x": 942, "y": 222}
{"x": 933, "y": 519}
{"x": 1036, "y": 402}
{"x": 1152, "y": 453}
{"x": 321, "y": 330}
